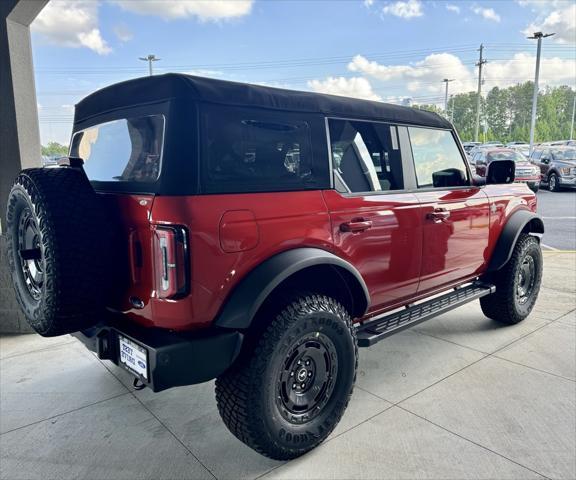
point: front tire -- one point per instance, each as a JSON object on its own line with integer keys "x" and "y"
{"x": 517, "y": 283}
{"x": 553, "y": 183}
{"x": 289, "y": 390}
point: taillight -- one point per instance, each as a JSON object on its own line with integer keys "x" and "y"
{"x": 172, "y": 268}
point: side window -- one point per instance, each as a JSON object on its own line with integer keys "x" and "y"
{"x": 123, "y": 150}
{"x": 437, "y": 159}
{"x": 536, "y": 154}
{"x": 365, "y": 156}
{"x": 250, "y": 151}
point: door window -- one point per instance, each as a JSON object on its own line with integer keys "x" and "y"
{"x": 250, "y": 151}
{"x": 437, "y": 159}
{"x": 365, "y": 156}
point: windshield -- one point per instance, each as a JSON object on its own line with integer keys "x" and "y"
{"x": 506, "y": 155}
{"x": 565, "y": 154}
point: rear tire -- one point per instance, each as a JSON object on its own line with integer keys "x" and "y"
{"x": 517, "y": 283}
{"x": 289, "y": 389}
{"x": 58, "y": 249}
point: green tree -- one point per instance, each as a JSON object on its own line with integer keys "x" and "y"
{"x": 506, "y": 113}
{"x": 55, "y": 149}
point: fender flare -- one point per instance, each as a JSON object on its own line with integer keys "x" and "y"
{"x": 249, "y": 295}
{"x": 516, "y": 224}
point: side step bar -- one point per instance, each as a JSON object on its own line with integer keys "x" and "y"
{"x": 385, "y": 325}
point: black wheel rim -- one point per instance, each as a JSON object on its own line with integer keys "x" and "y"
{"x": 307, "y": 378}
{"x": 526, "y": 279}
{"x": 30, "y": 253}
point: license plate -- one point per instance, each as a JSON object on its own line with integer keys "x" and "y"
{"x": 133, "y": 356}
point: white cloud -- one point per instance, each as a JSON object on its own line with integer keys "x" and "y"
{"x": 408, "y": 9}
{"x": 425, "y": 75}
{"x": 201, "y": 72}
{"x": 368, "y": 3}
{"x": 453, "y": 8}
{"x": 520, "y": 68}
{"x": 205, "y": 10}
{"x": 357, "y": 87}
{"x": 424, "y": 78}
{"x": 562, "y": 22}
{"x": 123, "y": 33}
{"x": 487, "y": 13}
{"x": 73, "y": 24}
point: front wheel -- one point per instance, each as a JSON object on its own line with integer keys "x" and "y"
{"x": 289, "y": 391}
{"x": 554, "y": 183}
{"x": 517, "y": 283}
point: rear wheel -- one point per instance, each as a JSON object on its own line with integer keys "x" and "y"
{"x": 290, "y": 389}
{"x": 58, "y": 246}
{"x": 553, "y": 183}
{"x": 517, "y": 283}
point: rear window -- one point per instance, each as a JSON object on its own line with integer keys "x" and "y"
{"x": 246, "y": 150}
{"x": 123, "y": 150}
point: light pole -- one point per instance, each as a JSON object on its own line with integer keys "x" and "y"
{"x": 537, "y": 36}
{"x": 150, "y": 58}
{"x": 446, "y": 81}
{"x": 572, "y": 123}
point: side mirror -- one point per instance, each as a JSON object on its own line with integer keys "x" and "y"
{"x": 478, "y": 180}
{"x": 545, "y": 160}
{"x": 500, "y": 172}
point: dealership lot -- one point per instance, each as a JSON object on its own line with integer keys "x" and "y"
{"x": 559, "y": 212}
{"x": 457, "y": 397}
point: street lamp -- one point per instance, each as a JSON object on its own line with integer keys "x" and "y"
{"x": 150, "y": 58}
{"x": 537, "y": 36}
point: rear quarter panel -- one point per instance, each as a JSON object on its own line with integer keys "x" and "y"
{"x": 274, "y": 222}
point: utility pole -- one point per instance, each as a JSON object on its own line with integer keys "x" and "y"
{"x": 480, "y": 63}
{"x": 150, "y": 58}
{"x": 537, "y": 36}
{"x": 573, "y": 110}
{"x": 446, "y": 81}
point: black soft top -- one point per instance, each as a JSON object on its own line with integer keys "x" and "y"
{"x": 171, "y": 86}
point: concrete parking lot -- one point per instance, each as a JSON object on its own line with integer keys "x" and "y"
{"x": 558, "y": 209}
{"x": 457, "y": 397}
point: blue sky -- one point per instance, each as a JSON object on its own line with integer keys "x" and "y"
{"x": 395, "y": 51}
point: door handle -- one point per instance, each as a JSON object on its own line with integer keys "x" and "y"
{"x": 355, "y": 226}
{"x": 439, "y": 215}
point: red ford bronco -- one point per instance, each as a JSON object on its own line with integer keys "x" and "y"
{"x": 206, "y": 229}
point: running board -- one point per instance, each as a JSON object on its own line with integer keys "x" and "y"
{"x": 385, "y": 325}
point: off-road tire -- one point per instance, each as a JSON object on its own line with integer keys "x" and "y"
{"x": 504, "y": 305}
{"x": 249, "y": 395}
{"x": 61, "y": 211}
{"x": 553, "y": 183}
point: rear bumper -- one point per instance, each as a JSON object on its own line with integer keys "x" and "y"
{"x": 174, "y": 359}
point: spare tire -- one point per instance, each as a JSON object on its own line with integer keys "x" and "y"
{"x": 58, "y": 248}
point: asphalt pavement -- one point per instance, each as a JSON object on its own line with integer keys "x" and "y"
{"x": 558, "y": 209}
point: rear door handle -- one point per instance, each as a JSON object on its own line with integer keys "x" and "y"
{"x": 439, "y": 215}
{"x": 355, "y": 226}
